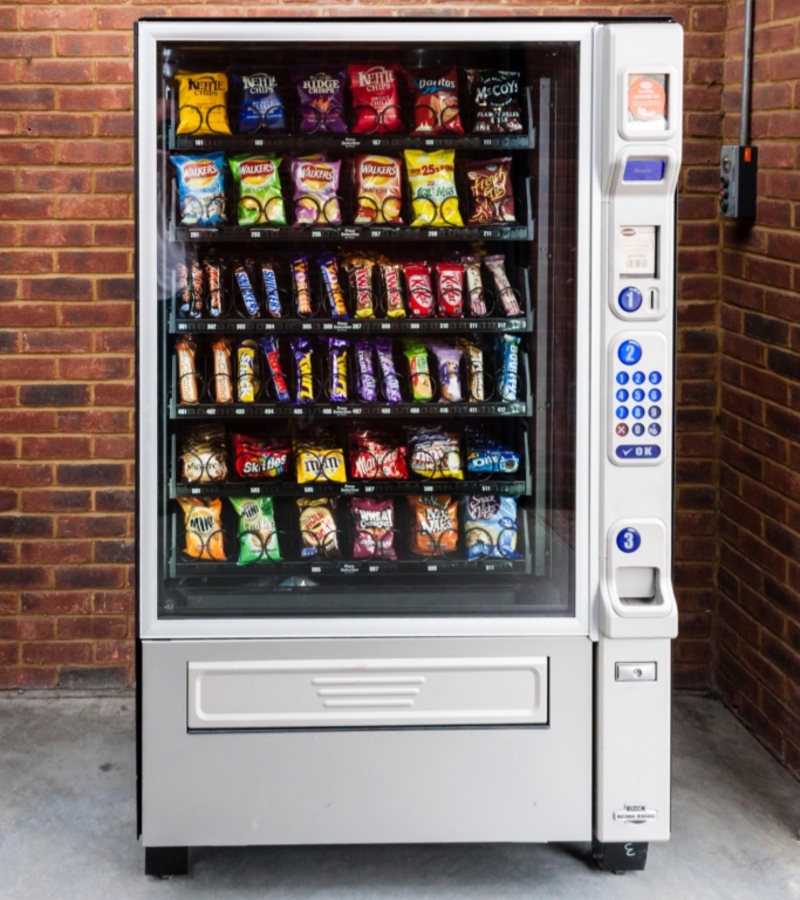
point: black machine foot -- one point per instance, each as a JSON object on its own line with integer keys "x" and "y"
{"x": 620, "y": 858}
{"x": 164, "y": 862}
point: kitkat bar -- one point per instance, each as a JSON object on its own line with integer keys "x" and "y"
{"x": 450, "y": 289}
{"x": 420, "y": 289}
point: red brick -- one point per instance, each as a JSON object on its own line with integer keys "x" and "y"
{"x": 114, "y": 448}
{"x": 25, "y": 45}
{"x": 114, "y": 652}
{"x": 95, "y": 98}
{"x": 25, "y": 577}
{"x": 27, "y": 98}
{"x": 56, "y": 447}
{"x": 56, "y": 125}
{"x": 28, "y": 316}
{"x": 16, "y": 207}
{"x": 55, "y": 500}
{"x": 65, "y": 288}
{"x": 55, "y": 552}
{"x": 94, "y": 628}
{"x": 27, "y": 677}
{"x": 56, "y": 71}
{"x": 113, "y": 181}
{"x": 118, "y": 234}
{"x": 56, "y": 653}
{"x": 94, "y": 45}
{"x": 55, "y": 181}
{"x": 115, "y": 395}
{"x": 88, "y": 577}
{"x": 109, "y": 603}
{"x": 94, "y": 368}
{"x": 91, "y": 526}
{"x": 93, "y": 421}
{"x": 57, "y": 341}
{"x": 92, "y": 207}
{"x": 92, "y": 261}
{"x": 24, "y": 261}
{"x": 55, "y": 234}
{"x": 103, "y": 152}
{"x": 86, "y": 315}
{"x": 50, "y": 18}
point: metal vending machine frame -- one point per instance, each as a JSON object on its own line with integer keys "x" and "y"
{"x": 535, "y": 728}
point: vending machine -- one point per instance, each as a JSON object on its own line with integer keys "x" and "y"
{"x": 406, "y": 311}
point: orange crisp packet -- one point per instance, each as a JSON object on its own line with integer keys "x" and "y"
{"x": 434, "y": 531}
{"x": 379, "y": 193}
{"x": 203, "y": 521}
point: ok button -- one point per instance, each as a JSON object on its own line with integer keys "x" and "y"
{"x": 630, "y": 299}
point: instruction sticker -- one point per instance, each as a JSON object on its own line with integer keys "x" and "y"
{"x": 637, "y": 251}
{"x": 647, "y": 101}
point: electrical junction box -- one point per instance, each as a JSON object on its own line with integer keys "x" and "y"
{"x": 738, "y": 175}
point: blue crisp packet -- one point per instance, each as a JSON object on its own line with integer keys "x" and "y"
{"x": 487, "y": 456}
{"x": 490, "y": 526}
{"x": 261, "y": 107}
{"x": 201, "y": 188}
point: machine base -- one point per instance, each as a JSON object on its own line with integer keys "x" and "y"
{"x": 163, "y": 862}
{"x": 620, "y": 858}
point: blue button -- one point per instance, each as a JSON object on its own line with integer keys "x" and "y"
{"x": 644, "y": 170}
{"x": 638, "y": 429}
{"x": 629, "y": 353}
{"x": 655, "y": 378}
{"x": 630, "y": 299}
{"x": 628, "y": 540}
{"x": 622, "y": 377}
{"x": 655, "y": 395}
{"x": 622, "y": 395}
{"x": 622, "y": 412}
{"x": 653, "y": 428}
{"x": 654, "y": 412}
{"x": 638, "y": 377}
{"x": 638, "y": 395}
{"x": 638, "y": 451}
{"x": 638, "y": 412}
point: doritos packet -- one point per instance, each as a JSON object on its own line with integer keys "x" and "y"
{"x": 202, "y": 103}
{"x": 435, "y": 92}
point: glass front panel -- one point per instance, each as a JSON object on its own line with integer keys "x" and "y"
{"x": 367, "y": 284}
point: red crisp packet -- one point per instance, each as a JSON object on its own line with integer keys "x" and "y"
{"x": 450, "y": 287}
{"x": 420, "y": 289}
{"x": 491, "y": 194}
{"x": 435, "y": 93}
{"x": 376, "y": 100}
{"x": 377, "y": 457}
{"x": 259, "y": 458}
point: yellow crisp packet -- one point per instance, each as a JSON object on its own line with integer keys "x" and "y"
{"x": 316, "y": 462}
{"x": 202, "y": 99}
{"x": 434, "y": 199}
{"x": 203, "y": 520}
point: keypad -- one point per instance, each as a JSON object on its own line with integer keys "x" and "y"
{"x": 636, "y": 435}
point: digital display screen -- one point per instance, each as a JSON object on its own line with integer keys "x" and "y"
{"x": 645, "y": 170}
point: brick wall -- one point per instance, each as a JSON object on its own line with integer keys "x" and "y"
{"x": 66, "y": 290}
{"x": 758, "y": 646}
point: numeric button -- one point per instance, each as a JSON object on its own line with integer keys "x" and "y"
{"x": 629, "y": 353}
{"x": 630, "y": 299}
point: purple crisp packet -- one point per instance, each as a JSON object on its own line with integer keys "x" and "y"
{"x": 366, "y": 387}
{"x": 320, "y": 94}
{"x": 391, "y": 386}
{"x": 316, "y": 188}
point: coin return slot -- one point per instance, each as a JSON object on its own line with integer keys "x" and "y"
{"x": 636, "y": 584}
{"x": 653, "y": 299}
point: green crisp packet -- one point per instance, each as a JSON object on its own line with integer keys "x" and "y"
{"x": 258, "y": 536}
{"x": 258, "y": 186}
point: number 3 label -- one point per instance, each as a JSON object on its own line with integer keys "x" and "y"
{"x": 628, "y": 540}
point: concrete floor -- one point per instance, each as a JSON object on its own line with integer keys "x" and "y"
{"x": 67, "y": 827}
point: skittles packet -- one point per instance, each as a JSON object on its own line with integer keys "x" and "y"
{"x": 260, "y": 457}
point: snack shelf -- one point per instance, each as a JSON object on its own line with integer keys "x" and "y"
{"x": 431, "y": 410}
{"x": 347, "y": 143}
{"x": 278, "y": 488}
{"x": 348, "y": 233}
{"x": 519, "y": 324}
{"x": 425, "y": 566}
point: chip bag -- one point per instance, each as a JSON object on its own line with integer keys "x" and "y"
{"x": 378, "y": 182}
{"x": 316, "y": 185}
{"x": 434, "y": 453}
{"x": 258, "y": 185}
{"x": 320, "y": 93}
{"x": 490, "y": 526}
{"x": 203, "y": 522}
{"x": 373, "y": 526}
{"x": 435, "y": 92}
{"x": 434, "y": 528}
{"x": 495, "y": 101}
{"x": 376, "y": 99}
{"x": 318, "y": 532}
{"x": 261, "y": 108}
{"x": 434, "y": 200}
{"x": 202, "y": 103}
{"x": 491, "y": 195}
{"x": 258, "y": 536}
{"x": 201, "y": 189}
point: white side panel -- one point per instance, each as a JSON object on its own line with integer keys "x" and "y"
{"x": 349, "y": 692}
{"x": 366, "y": 785}
{"x": 632, "y": 735}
